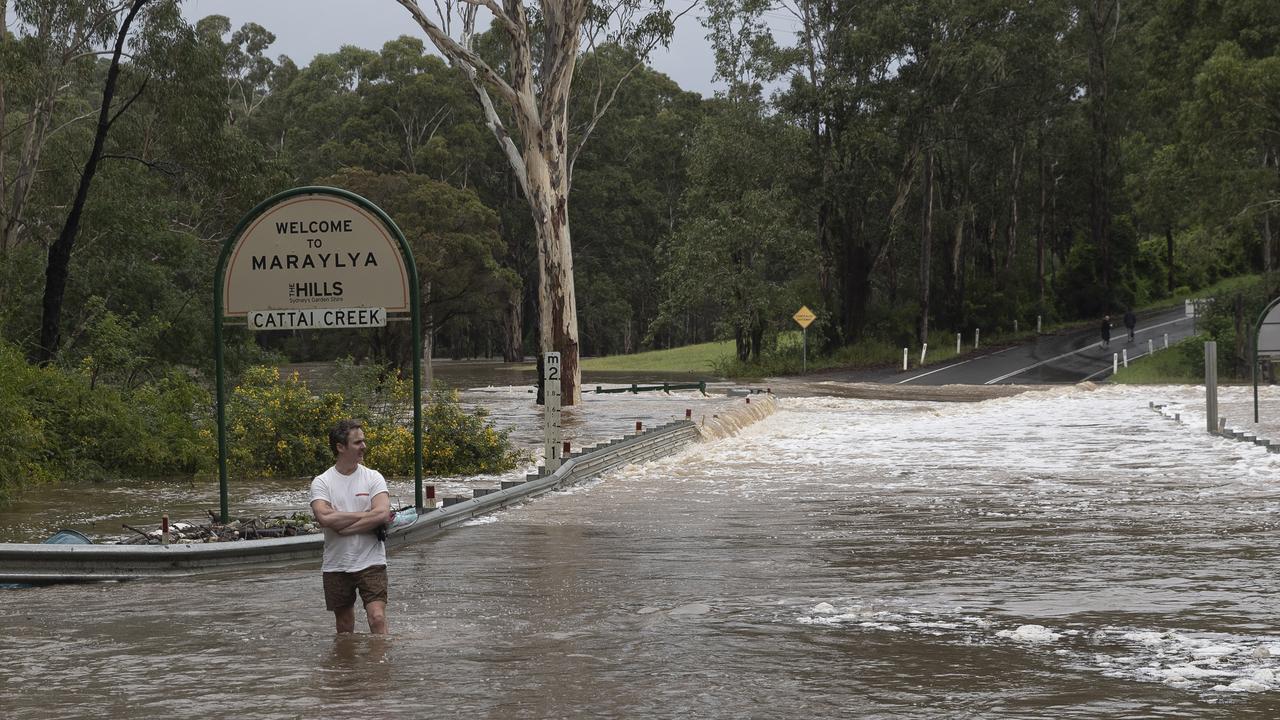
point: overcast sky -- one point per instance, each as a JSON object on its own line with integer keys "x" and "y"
{"x": 304, "y": 28}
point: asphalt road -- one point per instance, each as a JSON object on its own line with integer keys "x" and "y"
{"x": 1068, "y": 357}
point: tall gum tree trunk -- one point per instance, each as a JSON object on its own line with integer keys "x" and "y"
{"x": 926, "y": 243}
{"x": 557, "y": 300}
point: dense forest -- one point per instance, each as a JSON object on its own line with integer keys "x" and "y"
{"x": 899, "y": 168}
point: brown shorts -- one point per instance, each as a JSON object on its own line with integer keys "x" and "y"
{"x": 340, "y": 587}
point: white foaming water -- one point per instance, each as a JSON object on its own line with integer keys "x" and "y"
{"x": 1088, "y": 502}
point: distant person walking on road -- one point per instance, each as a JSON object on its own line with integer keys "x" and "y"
{"x": 351, "y": 503}
{"x": 1130, "y": 321}
{"x": 1106, "y": 331}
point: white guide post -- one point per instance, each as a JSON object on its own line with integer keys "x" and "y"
{"x": 552, "y": 432}
{"x": 957, "y": 343}
{"x": 1211, "y": 386}
{"x": 924, "y": 349}
{"x": 904, "y": 359}
{"x": 977, "y": 335}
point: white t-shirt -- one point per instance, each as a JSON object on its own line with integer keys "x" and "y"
{"x": 350, "y": 493}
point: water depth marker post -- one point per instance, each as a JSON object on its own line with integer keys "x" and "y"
{"x": 315, "y": 258}
{"x": 552, "y": 431}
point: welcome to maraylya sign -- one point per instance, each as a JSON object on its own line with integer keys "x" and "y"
{"x": 315, "y": 258}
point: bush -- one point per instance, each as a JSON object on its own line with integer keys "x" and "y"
{"x": 61, "y": 428}
{"x": 280, "y": 428}
{"x": 24, "y": 453}
{"x": 454, "y": 442}
{"x": 277, "y": 428}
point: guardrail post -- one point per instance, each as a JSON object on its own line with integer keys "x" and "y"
{"x": 1212, "y": 420}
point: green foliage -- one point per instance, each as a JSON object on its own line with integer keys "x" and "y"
{"x": 61, "y": 428}
{"x": 455, "y": 442}
{"x": 279, "y": 427}
{"x": 742, "y": 245}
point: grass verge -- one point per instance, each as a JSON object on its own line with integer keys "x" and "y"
{"x": 701, "y": 358}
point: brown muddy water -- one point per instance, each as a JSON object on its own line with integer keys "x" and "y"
{"x": 1062, "y": 554}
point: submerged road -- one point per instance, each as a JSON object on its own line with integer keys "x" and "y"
{"x": 1062, "y": 358}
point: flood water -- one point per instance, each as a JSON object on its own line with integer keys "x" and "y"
{"x": 102, "y": 509}
{"x": 1061, "y": 554}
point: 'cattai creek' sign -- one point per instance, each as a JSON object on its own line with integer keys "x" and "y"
{"x": 315, "y": 261}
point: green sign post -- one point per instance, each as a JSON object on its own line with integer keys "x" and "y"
{"x": 315, "y": 258}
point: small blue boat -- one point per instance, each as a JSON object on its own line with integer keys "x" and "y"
{"x": 68, "y": 537}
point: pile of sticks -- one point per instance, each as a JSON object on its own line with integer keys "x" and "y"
{"x": 216, "y": 531}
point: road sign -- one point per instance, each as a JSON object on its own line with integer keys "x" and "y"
{"x": 315, "y": 250}
{"x": 804, "y": 316}
{"x": 316, "y": 319}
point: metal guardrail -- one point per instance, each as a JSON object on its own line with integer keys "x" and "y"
{"x": 664, "y": 387}
{"x": 42, "y": 564}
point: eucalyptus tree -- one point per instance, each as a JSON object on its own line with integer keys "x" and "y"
{"x": 60, "y": 251}
{"x": 543, "y": 42}
{"x": 629, "y": 181}
{"x": 51, "y": 46}
{"x": 1203, "y": 155}
{"x": 131, "y": 204}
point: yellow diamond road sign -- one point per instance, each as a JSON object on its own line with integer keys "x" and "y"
{"x": 804, "y": 316}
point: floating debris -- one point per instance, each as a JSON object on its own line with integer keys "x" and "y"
{"x": 259, "y": 528}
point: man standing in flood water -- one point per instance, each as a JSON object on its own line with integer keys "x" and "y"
{"x": 351, "y": 503}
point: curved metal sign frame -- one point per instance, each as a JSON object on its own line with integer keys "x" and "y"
{"x": 1268, "y": 324}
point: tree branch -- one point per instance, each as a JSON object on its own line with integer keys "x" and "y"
{"x": 461, "y": 56}
{"x": 515, "y": 31}
{"x": 150, "y": 164}
{"x": 126, "y": 105}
